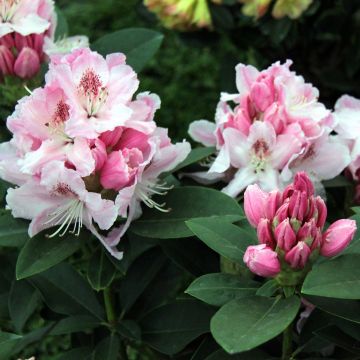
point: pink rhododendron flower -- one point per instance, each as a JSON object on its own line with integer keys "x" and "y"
{"x": 277, "y": 127}
{"x": 292, "y": 231}
{"x": 84, "y": 152}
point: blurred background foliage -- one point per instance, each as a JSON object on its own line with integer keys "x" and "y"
{"x": 192, "y": 68}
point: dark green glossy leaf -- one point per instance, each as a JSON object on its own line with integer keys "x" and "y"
{"x": 219, "y": 289}
{"x": 139, "y": 45}
{"x": 23, "y": 301}
{"x": 186, "y": 203}
{"x": 62, "y": 28}
{"x": 8, "y": 343}
{"x": 337, "y": 278}
{"x": 129, "y": 329}
{"x": 138, "y": 277}
{"x": 169, "y": 328}
{"x": 13, "y": 232}
{"x": 223, "y": 237}
{"x": 244, "y": 324}
{"x": 101, "y": 271}
{"x": 81, "y": 353}
{"x": 77, "y": 323}
{"x": 108, "y": 349}
{"x": 65, "y": 291}
{"x": 41, "y": 253}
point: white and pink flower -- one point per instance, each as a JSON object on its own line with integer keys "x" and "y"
{"x": 84, "y": 152}
{"x": 276, "y": 128}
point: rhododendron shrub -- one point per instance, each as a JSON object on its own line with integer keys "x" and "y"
{"x": 84, "y": 152}
{"x": 276, "y": 127}
{"x": 108, "y": 247}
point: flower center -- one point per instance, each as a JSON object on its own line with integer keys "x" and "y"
{"x": 260, "y": 152}
{"x": 59, "y": 117}
{"x": 8, "y": 9}
{"x": 92, "y": 91}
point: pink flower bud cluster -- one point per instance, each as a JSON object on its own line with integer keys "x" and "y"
{"x": 24, "y": 24}
{"x": 290, "y": 227}
{"x": 276, "y": 128}
{"x": 84, "y": 152}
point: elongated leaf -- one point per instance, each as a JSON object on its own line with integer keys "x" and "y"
{"x": 13, "y": 232}
{"x": 186, "y": 203}
{"x": 23, "y": 301}
{"x": 139, "y": 45}
{"x": 41, "y": 253}
{"x": 8, "y": 343}
{"x": 338, "y": 278}
{"x": 129, "y": 330}
{"x": 345, "y": 309}
{"x": 195, "y": 156}
{"x": 65, "y": 291}
{"x": 227, "y": 239}
{"x": 218, "y": 289}
{"x": 140, "y": 274}
{"x": 244, "y": 324}
{"x": 75, "y": 323}
{"x": 108, "y": 349}
{"x": 81, "y": 353}
{"x": 101, "y": 271}
{"x": 171, "y": 327}
{"x": 185, "y": 253}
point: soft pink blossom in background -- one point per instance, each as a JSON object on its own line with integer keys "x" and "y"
{"x": 276, "y": 128}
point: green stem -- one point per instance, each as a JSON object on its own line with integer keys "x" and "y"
{"x": 109, "y": 307}
{"x": 287, "y": 343}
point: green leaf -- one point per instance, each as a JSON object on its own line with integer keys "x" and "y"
{"x": 13, "y": 232}
{"x": 62, "y": 28}
{"x": 65, "y": 291}
{"x": 337, "y": 278}
{"x": 139, "y": 45}
{"x": 107, "y": 349}
{"x": 345, "y": 309}
{"x": 268, "y": 289}
{"x": 253, "y": 355}
{"x": 77, "y": 323}
{"x": 186, "y": 203}
{"x": 139, "y": 276}
{"x": 170, "y": 327}
{"x": 219, "y": 289}
{"x": 41, "y": 253}
{"x": 186, "y": 254}
{"x": 195, "y": 156}
{"x": 244, "y": 324}
{"x": 226, "y": 239}
{"x": 101, "y": 271}
{"x": 75, "y": 354}
{"x": 8, "y": 343}
{"x": 23, "y": 301}
{"x": 129, "y": 329}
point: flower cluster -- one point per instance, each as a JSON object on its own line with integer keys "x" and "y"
{"x": 277, "y": 128}
{"x": 24, "y": 25}
{"x": 84, "y": 151}
{"x": 347, "y": 125}
{"x": 291, "y": 8}
{"x": 289, "y": 226}
{"x": 182, "y": 15}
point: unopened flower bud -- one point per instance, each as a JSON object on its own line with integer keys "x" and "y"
{"x": 285, "y": 235}
{"x": 262, "y": 260}
{"x": 264, "y": 233}
{"x": 27, "y": 63}
{"x": 298, "y": 205}
{"x": 255, "y": 201}
{"x": 298, "y": 255}
{"x": 337, "y": 237}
